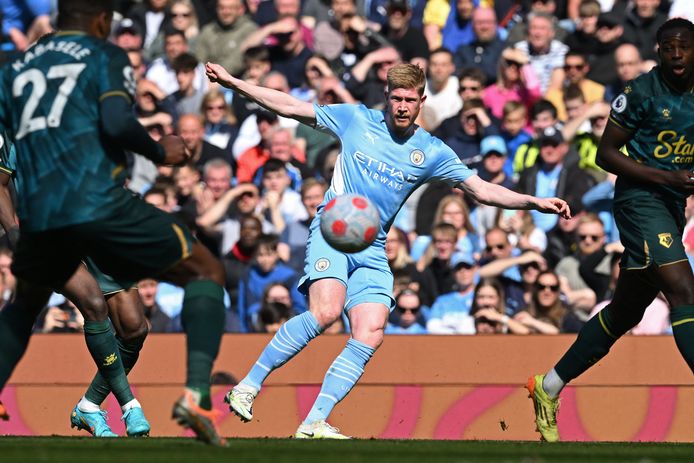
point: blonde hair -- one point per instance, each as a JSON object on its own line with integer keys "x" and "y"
{"x": 194, "y": 27}
{"x": 214, "y": 95}
{"x": 402, "y": 258}
{"x": 406, "y": 75}
{"x": 454, "y": 199}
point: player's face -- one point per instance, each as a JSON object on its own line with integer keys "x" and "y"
{"x": 676, "y": 52}
{"x": 403, "y": 108}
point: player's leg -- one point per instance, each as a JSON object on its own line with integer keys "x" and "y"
{"x": 677, "y": 283}
{"x": 367, "y": 322}
{"x": 16, "y": 322}
{"x": 324, "y": 282}
{"x": 326, "y": 301}
{"x": 369, "y": 293}
{"x": 83, "y": 290}
{"x": 126, "y": 313}
{"x": 633, "y": 294}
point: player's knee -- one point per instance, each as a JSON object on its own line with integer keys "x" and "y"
{"x": 135, "y": 332}
{"x": 326, "y": 315}
{"x": 371, "y": 336}
{"x": 93, "y": 307}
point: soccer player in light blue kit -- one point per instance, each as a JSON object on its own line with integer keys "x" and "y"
{"x": 385, "y": 157}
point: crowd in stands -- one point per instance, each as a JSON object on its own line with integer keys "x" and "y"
{"x": 520, "y": 90}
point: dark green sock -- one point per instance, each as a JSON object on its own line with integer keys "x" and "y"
{"x": 102, "y": 344}
{"x": 15, "y": 330}
{"x": 593, "y": 342}
{"x": 202, "y": 318}
{"x": 99, "y": 389}
{"x": 682, "y": 319}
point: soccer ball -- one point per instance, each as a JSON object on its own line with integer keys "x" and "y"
{"x": 349, "y": 223}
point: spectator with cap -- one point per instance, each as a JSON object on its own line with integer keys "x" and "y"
{"x": 517, "y": 81}
{"x": 494, "y": 154}
{"x": 407, "y": 318}
{"x": 485, "y": 49}
{"x": 450, "y": 313}
{"x": 408, "y": 40}
{"x": 128, "y": 35}
{"x": 546, "y": 54}
{"x": 443, "y": 99}
{"x": 556, "y": 174}
{"x": 220, "y": 41}
{"x": 641, "y": 21}
{"x": 609, "y": 34}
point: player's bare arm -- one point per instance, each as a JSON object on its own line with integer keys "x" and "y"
{"x": 611, "y": 159}
{"x": 499, "y": 196}
{"x": 277, "y": 102}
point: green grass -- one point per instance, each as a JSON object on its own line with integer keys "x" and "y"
{"x": 169, "y": 450}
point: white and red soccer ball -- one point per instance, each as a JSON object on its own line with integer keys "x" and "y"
{"x": 350, "y": 223}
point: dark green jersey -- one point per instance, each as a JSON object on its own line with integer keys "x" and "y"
{"x": 662, "y": 122}
{"x": 7, "y": 154}
{"x": 67, "y": 172}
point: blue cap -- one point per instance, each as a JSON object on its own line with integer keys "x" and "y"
{"x": 493, "y": 144}
{"x": 462, "y": 258}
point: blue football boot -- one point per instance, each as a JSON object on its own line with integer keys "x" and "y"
{"x": 136, "y": 424}
{"x": 94, "y": 423}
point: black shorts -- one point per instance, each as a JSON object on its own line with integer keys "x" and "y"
{"x": 138, "y": 241}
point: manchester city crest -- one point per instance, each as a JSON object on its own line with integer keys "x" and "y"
{"x": 417, "y": 157}
{"x": 322, "y": 264}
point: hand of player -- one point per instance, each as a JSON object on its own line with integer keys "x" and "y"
{"x": 553, "y": 206}
{"x": 175, "y": 149}
{"x": 682, "y": 180}
{"x": 216, "y": 73}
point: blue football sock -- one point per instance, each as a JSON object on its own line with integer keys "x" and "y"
{"x": 340, "y": 378}
{"x": 289, "y": 340}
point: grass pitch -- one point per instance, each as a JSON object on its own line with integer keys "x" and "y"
{"x": 172, "y": 450}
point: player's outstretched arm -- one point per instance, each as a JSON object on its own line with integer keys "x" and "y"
{"x": 277, "y": 102}
{"x": 499, "y": 196}
{"x": 611, "y": 159}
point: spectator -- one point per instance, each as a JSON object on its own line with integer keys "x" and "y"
{"x": 591, "y": 260}
{"x": 609, "y": 35}
{"x": 547, "y": 313}
{"x": 519, "y": 21}
{"x": 220, "y": 126}
{"x": 151, "y": 107}
{"x": 367, "y": 79}
{"x": 485, "y": 50}
{"x": 546, "y": 54}
{"x": 401, "y": 264}
{"x": 271, "y": 316}
{"x": 450, "y": 313}
{"x": 583, "y": 40}
{"x": 265, "y": 268}
{"x": 280, "y": 203}
{"x": 251, "y": 159}
{"x": 556, "y": 174}
{"x": 629, "y": 64}
{"x": 464, "y": 132}
{"x": 238, "y": 259}
{"x": 220, "y": 41}
{"x": 24, "y": 22}
{"x": 184, "y": 19}
{"x": 641, "y": 21}
{"x": 516, "y": 81}
{"x": 490, "y": 312}
{"x": 128, "y": 35}
{"x": 471, "y": 81}
{"x": 543, "y": 114}
{"x": 138, "y": 64}
{"x": 521, "y": 230}
{"x": 188, "y": 191}
{"x": 443, "y": 99}
{"x": 407, "y": 39}
{"x": 295, "y": 235}
{"x": 285, "y": 42}
{"x": 159, "y": 321}
{"x": 162, "y": 72}
{"x": 186, "y": 99}
{"x": 586, "y": 142}
{"x": 453, "y": 210}
{"x": 407, "y": 317}
{"x": 191, "y": 130}
{"x": 10, "y": 286}
{"x": 283, "y": 147}
{"x": 443, "y": 239}
{"x": 357, "y": 38}
{"x": 576, "y": 68}
{"x": 64, "y": 318}
{"x": 494, "y": 154}
{"x": 458, "y": 28}
{"x": 257, "y": 64}
{"x": 514, "y": 121}
{"x": 433, "y": 21}
{"x": 151, "y": 16}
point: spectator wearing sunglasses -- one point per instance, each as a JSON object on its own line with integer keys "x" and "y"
{"x": 407, "y": 318}
{"x": 575, "y": 70}
{"x": 547, "y": 313}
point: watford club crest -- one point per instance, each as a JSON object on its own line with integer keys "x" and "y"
{"x": 665, "y": 239}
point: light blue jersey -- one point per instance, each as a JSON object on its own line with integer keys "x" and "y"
{"x": 375, "y": 164}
